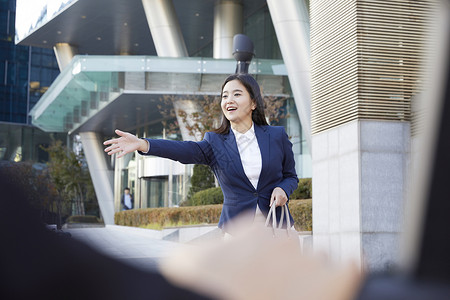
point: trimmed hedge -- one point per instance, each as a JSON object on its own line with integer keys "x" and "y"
{"x": 304, "y": 189}
{"x": 83, "y": 219}
{"x": 167, "y": 216}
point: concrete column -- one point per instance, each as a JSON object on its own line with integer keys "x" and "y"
{"x": 64, "y": 53}
{"x": 360, "y": 180}
{"x": 164, "y": 27}
{"x": 117, "y": 192}
{"x": 170, "y": 190}
{"x": 291, "y": 22}
{"x": 102, "y": 176}
{"x": 228, "y": 19}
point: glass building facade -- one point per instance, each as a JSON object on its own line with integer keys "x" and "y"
{"x": 19, "y": 142}
{"x": 25, "y": 74}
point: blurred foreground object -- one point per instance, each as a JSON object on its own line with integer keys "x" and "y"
{"x": 254, "y": 265}
{"x": 37, "y": 263}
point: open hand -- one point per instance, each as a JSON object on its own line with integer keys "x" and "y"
{"x": 126, "y": 143}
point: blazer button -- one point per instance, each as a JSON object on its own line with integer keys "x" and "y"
{"x": 255, "y": 194}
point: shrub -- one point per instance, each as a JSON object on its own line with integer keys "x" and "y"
{"x": 207, "y": 197}
{"x": 301, "y": 211}
{"x": 304, "y": 189}
{"x": 215, "y": 196}
{"x": 202, "y": 179}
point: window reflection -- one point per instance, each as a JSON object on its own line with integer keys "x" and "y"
{"x": 155, "y": 191}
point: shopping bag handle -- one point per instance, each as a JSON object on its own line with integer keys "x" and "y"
{"x": 284, "y": 215}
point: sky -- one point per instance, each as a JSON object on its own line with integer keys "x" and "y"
{"x": 28, "y": 13}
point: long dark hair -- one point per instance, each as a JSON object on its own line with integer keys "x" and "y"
{"x": 252, "y": 87}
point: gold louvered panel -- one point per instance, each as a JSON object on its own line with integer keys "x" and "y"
{"x": 391, "y": 48}
{"x": 334, "y": 65}
{"x": 366, "y": 59}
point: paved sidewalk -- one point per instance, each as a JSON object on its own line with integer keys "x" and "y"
{"x": 136, "y": 246}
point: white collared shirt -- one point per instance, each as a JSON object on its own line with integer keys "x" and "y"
{"x": 250, "y": 154}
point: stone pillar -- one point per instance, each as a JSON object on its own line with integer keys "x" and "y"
{"x": 364, "y": 72}
{"x": 102, "y": 176}
{"x": 64, "y": 54}
{"x": 360, "y": 176}
{"x": 228, "y": 18}
{"x": 164, "y": 27}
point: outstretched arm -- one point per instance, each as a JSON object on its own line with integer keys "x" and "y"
{"x": 186, "y": 152}
{"x": 126, "y": 143}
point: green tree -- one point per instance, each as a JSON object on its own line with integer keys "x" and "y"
{"x": 70, "y": 176}
{"x": 202, "y": 179}
{"x": 37, "y": 185}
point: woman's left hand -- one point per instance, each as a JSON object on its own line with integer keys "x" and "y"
{"x": 278, "y": 196}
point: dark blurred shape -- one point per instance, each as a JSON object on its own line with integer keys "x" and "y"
{"x": 433, "y": 262}
{"x": 243, "y": 52}
{"x": 37, "y": 263}
{"x": 403, "y": 287}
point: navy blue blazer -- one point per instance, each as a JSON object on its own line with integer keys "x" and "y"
{"x": 220, "y": 152}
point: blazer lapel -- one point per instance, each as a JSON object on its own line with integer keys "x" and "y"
{"x": 263, "y": 137}
{"x": 231, "y": 147}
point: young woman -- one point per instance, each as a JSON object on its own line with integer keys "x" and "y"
{"x": 252, "y": 161}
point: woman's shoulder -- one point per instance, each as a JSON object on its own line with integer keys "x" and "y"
{"x": 273, "y": 129}
{"x": 211, "y": 135}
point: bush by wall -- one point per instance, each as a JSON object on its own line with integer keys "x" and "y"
{"x": 208, "y": 197}
{"x": 301, "y": 211}
{"x": 304, "y": 189}
{"x": 168, "y": 216}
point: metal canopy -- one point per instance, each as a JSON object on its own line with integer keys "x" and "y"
{"x": 113, "y": 27}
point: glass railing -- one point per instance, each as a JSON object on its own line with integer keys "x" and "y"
{"x": 172, "y": 65}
